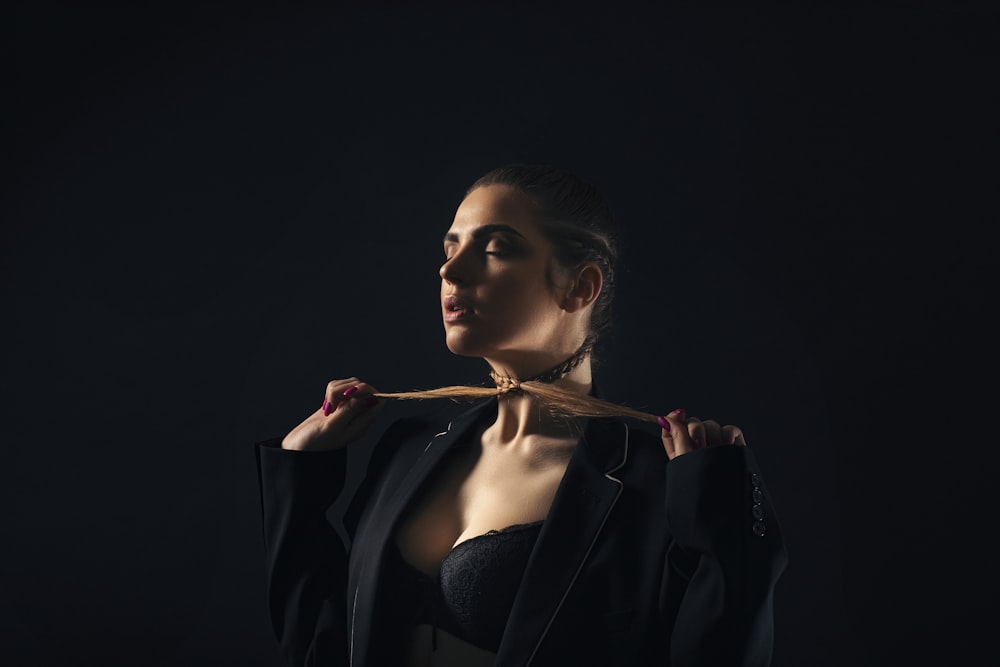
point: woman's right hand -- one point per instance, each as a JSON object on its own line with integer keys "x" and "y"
{"x": 346, "y": 414}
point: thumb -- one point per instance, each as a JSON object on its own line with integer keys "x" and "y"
{"x": 349, "y": 409}
{"x": 674, "y": 433}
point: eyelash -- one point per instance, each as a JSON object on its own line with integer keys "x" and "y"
{"x": 494, "y": 253}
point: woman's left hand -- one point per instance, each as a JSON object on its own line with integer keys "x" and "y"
{"x": 682, "y": 434}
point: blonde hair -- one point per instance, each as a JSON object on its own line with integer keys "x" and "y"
{"x": 559, "y": 402}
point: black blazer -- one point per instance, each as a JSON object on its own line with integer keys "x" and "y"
{"x": 640, "y": 561}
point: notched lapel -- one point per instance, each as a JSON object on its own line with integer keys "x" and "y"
{"x": 425, "y": 464}
{"x": 391, "y": 509}
{"x": 583, "y": 501}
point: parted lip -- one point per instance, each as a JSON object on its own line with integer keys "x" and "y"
{"x": 452, "y": 302}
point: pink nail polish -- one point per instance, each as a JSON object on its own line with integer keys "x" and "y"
{"x": 664, "y": 424}
{"x": 351, "y": 390}
{"x": 326, "y": 407}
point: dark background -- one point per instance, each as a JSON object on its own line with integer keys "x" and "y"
{"x": 213, "y": 211}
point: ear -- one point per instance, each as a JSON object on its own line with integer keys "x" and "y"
{"x": 585, "y": 289}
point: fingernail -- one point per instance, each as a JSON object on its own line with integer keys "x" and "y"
{"x": 326, "y": 407}
{"x": 664, "y": 424}
{"x": 351, "y": 390}
{"x": 678, "y": 411}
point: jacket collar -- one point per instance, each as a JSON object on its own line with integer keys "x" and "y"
{"x": 402, "y": 497}
{"x": 586, "y": 495}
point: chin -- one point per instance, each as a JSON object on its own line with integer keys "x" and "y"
{"x": 463, "y": 344}
{"x": 461, "y": 348}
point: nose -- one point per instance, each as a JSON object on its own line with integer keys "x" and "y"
{"x": 454, "y": 269}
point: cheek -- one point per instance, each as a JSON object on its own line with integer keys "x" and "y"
{"x": 525, "y": 300}
{"x": 516, "y": 289}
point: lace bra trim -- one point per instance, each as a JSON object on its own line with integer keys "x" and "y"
{"x": 479, "y": 625}
{"x": 490, "y": 533}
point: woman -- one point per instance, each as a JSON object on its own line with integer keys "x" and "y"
{"x": 538, "y": 527}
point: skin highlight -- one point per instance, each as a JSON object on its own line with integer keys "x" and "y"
{"x": 529, "y": 313}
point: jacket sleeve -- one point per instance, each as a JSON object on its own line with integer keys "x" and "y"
{"x": 725, "y": 559}
{"x": 306, "y": 559}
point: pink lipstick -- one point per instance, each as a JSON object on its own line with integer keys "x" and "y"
{"x": 455, "y": 309}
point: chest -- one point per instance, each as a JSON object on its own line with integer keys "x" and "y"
{"x": 476, "y": 490}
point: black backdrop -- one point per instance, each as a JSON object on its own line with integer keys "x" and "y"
{"x": 213, "y": 211}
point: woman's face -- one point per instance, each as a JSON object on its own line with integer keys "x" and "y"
{"x": 496, "y": 295}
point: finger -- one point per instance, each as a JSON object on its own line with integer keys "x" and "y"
{"x": 363, "y": 393}
{"x": 667, "y": 437}
{"x": 351, "y": 407}
{"x": 696, "y": 429}
{"x": 358, "y": 394}
{"x": 680, "y": 436}
{"x": 339, "y": 391}
{"x": 335, "y": 393}
{"x": 713, "y": 433}
{"x": 733, "y": 435}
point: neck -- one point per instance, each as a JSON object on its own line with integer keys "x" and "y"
{"x": 520, "y": 415}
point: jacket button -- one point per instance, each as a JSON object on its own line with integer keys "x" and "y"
{"x": 758, "y": 512}
{"x": 758, "y": 496}
{"x": 758, "y": 528}
{"x": 754, "y": 479}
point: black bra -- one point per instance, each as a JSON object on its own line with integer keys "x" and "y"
{"x": 474, "y": 591}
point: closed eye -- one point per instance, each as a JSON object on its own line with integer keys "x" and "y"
{"x": 489, "y": 238}
{"x": 498, "y": 252}
{"x": 494, "y": 249}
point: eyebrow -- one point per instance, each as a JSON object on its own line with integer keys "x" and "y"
{"x": 484, "y": 230}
